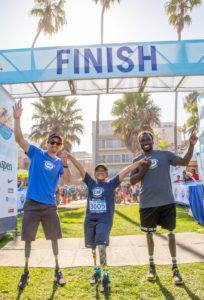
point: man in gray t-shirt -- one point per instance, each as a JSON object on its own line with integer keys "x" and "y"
{"x": 157, "y": 205}
{"x": 156, "y": 187}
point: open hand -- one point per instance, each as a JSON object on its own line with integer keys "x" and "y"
{"x": 17, "y": 111}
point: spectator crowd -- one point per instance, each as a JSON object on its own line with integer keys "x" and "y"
{"x": 123, "y": 194}
{"x": 65, "y": 194}
{"x": 187, "y": 176}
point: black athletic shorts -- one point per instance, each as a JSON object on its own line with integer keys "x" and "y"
{"x": 96, "y": 233}
{"x": 36, "y": 212}
{"x": 165, "y": 216}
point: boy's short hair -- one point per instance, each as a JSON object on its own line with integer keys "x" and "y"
{"x": 101, "y": 165}
{"x": 145, "y": 132}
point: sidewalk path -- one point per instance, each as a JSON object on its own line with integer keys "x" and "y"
{"x": 123, "y": 251}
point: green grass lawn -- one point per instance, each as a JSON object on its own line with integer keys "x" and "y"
{"x": 126, "y": 222}
{"x": 126, "y": 283}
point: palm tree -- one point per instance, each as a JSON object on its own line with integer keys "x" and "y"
{"x": 135, "y": 112}
{"x": 51, "y": 14}
{"x": 178, "y": 17}
{"x": 178, "y": 13}
{"x": 190, "y": 106}
{"x": 57, "y": 114}
{"x": 160, "y": 143}
{"x": 184, "y": 142}
{"x": 105, "y": 5}
{"x": 163, "y": 144}
{"x": 183, "y": 130}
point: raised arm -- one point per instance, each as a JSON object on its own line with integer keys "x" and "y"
{"x": 77, "y": 164}
{"x": 184, "y": 161}
{"x": 17, "y": 112}
{"x": 139, "y": 172}
{"x": 133, "y": 166}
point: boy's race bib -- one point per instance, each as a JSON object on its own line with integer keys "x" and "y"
{"x": 97, "y": 206}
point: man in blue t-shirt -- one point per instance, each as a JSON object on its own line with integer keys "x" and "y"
{"x": 40, "y": 206}
{"x": 100, "y": 211}
{"x": 157, "y": 206}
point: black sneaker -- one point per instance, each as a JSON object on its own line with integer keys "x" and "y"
{"x": 151, "y": 273}
{"x": 24, "y": 280}
{"x": 96, "y": 278}
{"x": 59, "y": 279}
{"x": 177, "y": 279}
{"x": 105, "y": 287}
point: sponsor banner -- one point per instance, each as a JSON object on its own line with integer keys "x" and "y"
{"x": 181, "y": 193}
{"x": 143, "y": 59}
{"x": 8, "y": 223}
{"x": 8, "y": 165}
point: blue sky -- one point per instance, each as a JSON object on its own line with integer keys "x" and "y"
{"x": 129, "y": 21}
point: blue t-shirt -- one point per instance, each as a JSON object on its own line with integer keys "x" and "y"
{"x": 44, "y": 174}
{"x": 100, "y": 202}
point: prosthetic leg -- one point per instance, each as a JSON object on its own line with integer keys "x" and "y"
{"x": 59, "y": 279}
{"x": 96, "y": 278}
{"x": 103, "y": 262}
{"x": 177, "y": 279}
{"x": 25, "y": 276}
{"x": 150, "y": 245}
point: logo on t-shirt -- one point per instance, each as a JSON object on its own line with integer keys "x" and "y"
{"x": 154, "y": 163}
{"x": 49, "y": 165}
{"x": 97, "y": 192}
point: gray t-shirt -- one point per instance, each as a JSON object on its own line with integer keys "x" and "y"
{"x": 156, "y": 189}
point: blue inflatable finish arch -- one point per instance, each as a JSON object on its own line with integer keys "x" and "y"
{"x": 103, "y": 69}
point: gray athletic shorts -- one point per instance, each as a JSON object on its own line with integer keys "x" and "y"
{"x": 36, "y": 212}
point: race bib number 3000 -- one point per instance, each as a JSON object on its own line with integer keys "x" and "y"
{"x": 97, "y": 206}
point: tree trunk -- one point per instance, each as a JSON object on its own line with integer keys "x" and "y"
{"x": 176, "y": 112}
{"x": 97, "y": 131}
{"x": 98, "y": 96}
{"x": 36, "y": 37}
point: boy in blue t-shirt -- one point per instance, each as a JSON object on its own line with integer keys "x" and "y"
{"x": 99, "y": 213}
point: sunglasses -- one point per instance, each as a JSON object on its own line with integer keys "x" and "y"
{"x": 54, "y": 142}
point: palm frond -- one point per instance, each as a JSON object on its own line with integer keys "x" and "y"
{"x": 135, "y": 112}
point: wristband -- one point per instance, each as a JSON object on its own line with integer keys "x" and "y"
{"x": 65, "y": 166}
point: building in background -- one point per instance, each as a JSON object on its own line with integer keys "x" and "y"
{"x": 166, "y": 131}
{"x": 112, "y": 149}
{"x": 85, "y": 159}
